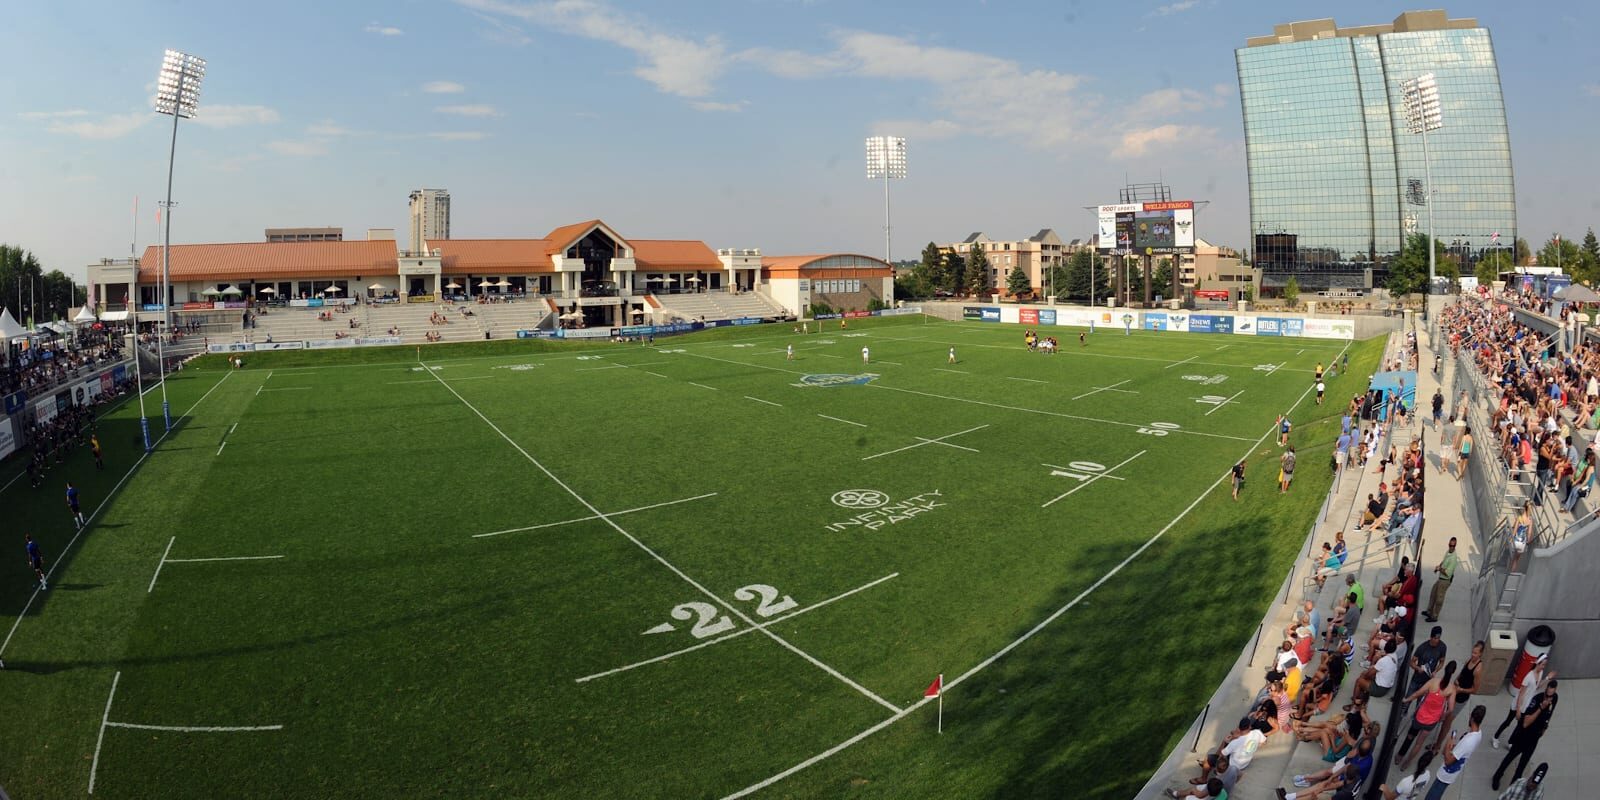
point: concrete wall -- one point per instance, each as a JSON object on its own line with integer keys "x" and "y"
{"x": 1559, "y": 590}
{"x": 1367, "y": 325}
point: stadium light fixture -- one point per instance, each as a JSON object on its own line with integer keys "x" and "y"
{"x": 886, "y": 159}
{"x": 1421, "y": 98}
{"x": 177, "y": 94}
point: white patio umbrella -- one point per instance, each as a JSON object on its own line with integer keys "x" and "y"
{"x": 573, "y": 314}
{"x": 211, "y": 292}
{"x": 693, "y": 279}
{"x": 452, "y": 285}
{"x": 377, "y": 287}
{"x": 268, "y": 290}
{"x": 655, "y": 279}
{"x": 232, "y": 290}
{"x": 334, "y": 289}
{"x": 484, "y": 284}
{"x": 639, "y": 312}
{"x": 503, "y": 283}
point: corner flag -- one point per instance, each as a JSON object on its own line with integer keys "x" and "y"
{"x": 936, "y": 689}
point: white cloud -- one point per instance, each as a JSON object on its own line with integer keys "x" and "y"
{"x": 1174, "y": 8}
{"x": 107, "y": 126}
{"x": 229, "y": 116}
{"x": 502, "y": 32}
{"x": 793, "y": 64}
{"x": 54, "y": 115}
{"x": 298, "y": 147}
{"x": 919, "y": 130}
{"x": 674, "y": 64}
{"x": 478, "y": 110}
{"x": 383, "y": 30}
{"x": 458, "y": 136}
{"x": 329, "y": 129}
{"x": 712, "y": 105}
{"x": 1179, "y": 101}
{"x": 1140, "y": 141}
{"x": 443, "y": 87}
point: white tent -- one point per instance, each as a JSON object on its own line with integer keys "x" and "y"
{"x": 9, "y": 329}
{"x": 232, "y": 290}
{"x": 84, "y": 316}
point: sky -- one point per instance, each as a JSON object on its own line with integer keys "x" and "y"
{"x": 736, "y": 122}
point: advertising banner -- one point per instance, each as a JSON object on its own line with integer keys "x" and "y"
{"x": 1116, "y": 226}
{"x": 107, "y": 384}
{"x": 8, "y": 441}
{"x": 261, "y": 346}
{"x": 1222, "y": 323}
{"x": 1155, "y": 320}
{"x": 232, "y": 304}
{"x": 152, "y": 307}
{"x": 375, "y": 341}
{"x": 206, "y": 306}
{"x": 1028, "y": 316}
{"x": 1269, "y": 326}
{"x": 894, "y": 312}
{"x": 1200, "y": 323}
{"x": 1329, "y": 329}
{"x": 583, "y": 333}
{"x": 852, "y": 314}
{"x": 420, "y": 298}
{"x": 312, "y": 302}
{"x": 1244, "y": 325}
{"x": 1178, "y": 321}
{"x": 1047, "y": 316}
{"x": 991, "y": 314}
{"x": 757, "y": 320}
{"x": 324, "y": 344}
{"x": 230, "y": 347}
{"x": 1294, "y": 326}
{"x": 44, "y": 410}
{"x": 119, "y": 373}
{"x": 1009, "y": 314}
{"x": 551, "y": 334}
{"x": 971, "y": 312}
{"x": 15, "y": 402}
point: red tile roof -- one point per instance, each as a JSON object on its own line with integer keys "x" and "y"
{"x": 561, "y": 238}
{"x": 673, "y": 254}
{"x": 493, "y": 256}
{"x": 270, "y": 260}
{"x": 801, "y": 266}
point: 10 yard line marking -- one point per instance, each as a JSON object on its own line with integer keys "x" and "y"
{"x": 1111, "y": 388}
{"x": 220, "y": 558}
{"x": 1049, "y": 413}
{"x": 759, "y": 400}
{"x": 730, "y": 608}
{"x": 194, "y": 728}
{"x": 739, "y": 632}
{"x": 1097, "y": 476}
{"x": 657, "y": 374}
{"x": 1223, "y": 403}
{"x": 922, "y": 441}
{"x": 845, "y": 421}
{"x": 984, "y": 664}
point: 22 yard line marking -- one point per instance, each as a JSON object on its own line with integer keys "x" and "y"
{"x": 194, "y": 728}
{"x": 921, "y": 441}
{"x": 97, "y": 509}
{"x": 1223, "y": 403}
{"x": 740, "y": 632}
{"x": 759, "y": 400}
{"x": 219, "y": 558}
{"x": 668, "y": 564}
{"x": 980, "y": 666}
{"x": 845, "y": 421}
{"x": 1098, "y": 476}
{"x": 586, "y": 519}
{"x": 1111, "y": 388}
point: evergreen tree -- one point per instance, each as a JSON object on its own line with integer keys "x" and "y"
{"x": 1589, "y": 254}
{"x": 1521, "y": 254}
{"x": 976, "y": 275}
{"x": 1161, "y": 282}
{"x": 932, "y": 266}
{"x": 1559, "y": 251}
{"x": 953, "y": 278}
{"x": 1017, "y": 283}
{"x": 1408, "y": 272}
{"x": 1291, "y": 291}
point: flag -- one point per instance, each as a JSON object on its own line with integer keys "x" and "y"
{"x": 936, "y": 688}
{"x": 1494, "y": 238}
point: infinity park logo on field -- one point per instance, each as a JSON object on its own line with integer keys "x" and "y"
{"x": 884, "y": 511}
{"x": 837, "y": 380}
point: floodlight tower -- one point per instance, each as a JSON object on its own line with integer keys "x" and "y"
{"x": 1422, "y": 115}
{"x": 178, "y": 94}
{"x": 886, "y": 159}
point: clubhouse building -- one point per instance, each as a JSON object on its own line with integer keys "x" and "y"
{"x": 587, "y": 268}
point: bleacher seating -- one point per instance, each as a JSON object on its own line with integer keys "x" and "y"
{"x": 716, "y": 305}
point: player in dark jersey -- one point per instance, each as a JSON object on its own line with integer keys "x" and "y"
{"x": 35, "y": 559}
{"x": 72, "y": 504}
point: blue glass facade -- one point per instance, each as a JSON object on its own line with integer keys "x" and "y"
{"x": 1334, "y": 173}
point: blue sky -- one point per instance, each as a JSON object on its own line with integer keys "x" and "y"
{"x": 739, "y": 122}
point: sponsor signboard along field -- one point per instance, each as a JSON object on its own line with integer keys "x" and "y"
{"x": 887, "y": 522}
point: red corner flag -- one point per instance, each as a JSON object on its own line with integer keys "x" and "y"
{"x": 936, "y": 689}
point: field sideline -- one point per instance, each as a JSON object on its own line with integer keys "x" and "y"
{"x": 690, "y": 570}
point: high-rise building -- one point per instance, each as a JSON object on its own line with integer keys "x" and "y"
{"x": 430, "y": 217}
{"x": 1336, "y": 178}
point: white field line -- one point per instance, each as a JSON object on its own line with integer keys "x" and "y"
{"x": 586, "y": 519}
{"x": 894, "y": 363}
{"x": 1111, "y": 388}
{"x": 1223, "y": 403}
{"x": 402, "y": 383}
{"x": 657, "y": 374}
{"x": 475, "y": 378}
{"x": 234, "y": 428}
{"x": 824, "y": 355}
{"x": 732, "y": 609}
{"x": 160, "y": 564}
{"x": 759, "y": 400}
{"x": 1298, "y": 352}
{"x": 219, "y": 449}
{"x": 269, "y": 376}
{"x": 1051, "y": 413}
{"x": 703, "y": 386}
{"x": 105, "y": 719}
{"x": 608, "y": 366}
{"x": 100, "y": 416}
{"x": 286, "y": 389}
{"x": 1097, "y": 476}
{"x": 845, "y": 421}
{"x": 1029, "y": 380}
{"x": 1176, "y": 363}
{"x": 956, "y": 371}
{"x": 1080, "y": 352}
{"x": 194, "y": 728}
{"x": 921, "y": 441}
{"x": 1070, "y": 469}
{"x": 219, "y": 558}
{"x": 980, "y": 666}
{"x": 1224, "y": 347}
{"x": 926, "y": 440}
{"x": 740, "y": 632}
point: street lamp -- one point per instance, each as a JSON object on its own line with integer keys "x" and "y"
{"x": 1422, "y": 115}
{"x": 177, "y": 94}
{"x": 886, "y": 158}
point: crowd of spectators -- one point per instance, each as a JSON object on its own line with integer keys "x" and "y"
{"x": 45, "y": 365}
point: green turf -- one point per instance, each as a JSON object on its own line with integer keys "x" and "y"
{"x": 404, "y": 657}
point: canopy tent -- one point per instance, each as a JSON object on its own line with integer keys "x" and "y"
{"x": 211, "y": 292}
{"x": 1578, "y": 293}
{"x": 58, "y": 328}
{"x": 114, "y": 316}
{"x": 232, "y": 290}
{"x": 84, "y": 316}
{"x": 9, "y": 329}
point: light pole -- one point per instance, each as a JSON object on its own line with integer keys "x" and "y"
{"x": 1422, "y": 115}
{"x": 886, "y": 159}
{"x": 178, "y": 94}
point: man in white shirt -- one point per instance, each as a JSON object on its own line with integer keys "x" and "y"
{"x": 1456, "y": 752}
{"x": 1532, "y": 684}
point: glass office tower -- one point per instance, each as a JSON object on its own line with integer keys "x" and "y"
{"x": 1337, "y": 181}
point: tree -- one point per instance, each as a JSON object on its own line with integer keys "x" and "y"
{"x": 1291, "y": 291}
{"x": 1408, "y": 272}
{"x": 1521, "y": 254}
{"x": 1161, "y": 282}
{"x": 1487, "y": 272}
{"x": 1589, "y": 257}
{"x": 976, "y": 277}
{"x": 1559, "y": 251}
{"x": 931, "y": 267}
{"x": 952, "y": 278}
{"x": 30, "y": 292}
{"x": 1017, "y": 282}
